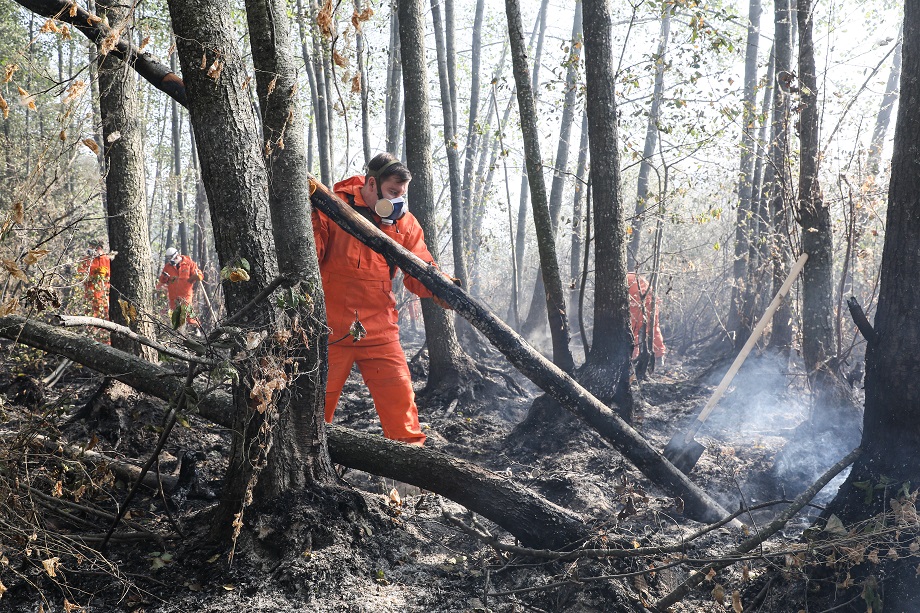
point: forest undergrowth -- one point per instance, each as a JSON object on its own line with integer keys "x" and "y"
{"x": 380, "y": 545}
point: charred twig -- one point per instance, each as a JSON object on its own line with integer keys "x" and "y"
{"x": 70, "y": 321}
{"x": 251, "y": 305}
{"x": 677, "y": 594}
{"x": 861, "y": 321}
{"x": 47, "y": 500}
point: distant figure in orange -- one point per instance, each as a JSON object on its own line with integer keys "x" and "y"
{"x": 96, "y": 270}
{"x": 179, "y": 276}
{"x": 640, "y": 313}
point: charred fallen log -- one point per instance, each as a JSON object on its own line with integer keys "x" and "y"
{"x": 563, "y": 388}
{"x": 521, "y": 512}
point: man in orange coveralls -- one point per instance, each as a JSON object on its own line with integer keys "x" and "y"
{"x": 97, "y": 268}
{"x": 357, "y": 282}
{"x": 639, "y": 293}
{"x": 179, "y": 276}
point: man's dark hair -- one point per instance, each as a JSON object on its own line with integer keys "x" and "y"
{"x": 385, "y": 166}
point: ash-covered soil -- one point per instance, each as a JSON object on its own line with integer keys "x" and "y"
{"x": 379, "y": 545}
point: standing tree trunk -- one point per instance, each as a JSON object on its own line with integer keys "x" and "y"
{"x": 537, "y": 312}
{"x": 472, "y": 134}
{"x": 607, "y": 368}
{"x": 581, "y": 171}
{"x": 451, "y": 49}
{"x": 447, "y": 362}
{"x": 651, "y": 139}
{"x": 125, "y": 189}
{"x": 299, "y": 453}
{"x": 177, "y": 169}
{"x": 818, "y": 347}
{"x": 450, "y": 148}
{"x": 888, "y": 469}
{"x": 393, "y": 104}
{"x": 311, "y": 79}
{"x": 234, "y": 175}
{"x": 884, "y": 112}
{"x": 521, "y": 229}
{"x": 362, "y": 72}
{"x": 780, "y": 187}
{"x": 555, "y": 299}
{"x": 738, "y": 326}
{"x": 320, "y": 109}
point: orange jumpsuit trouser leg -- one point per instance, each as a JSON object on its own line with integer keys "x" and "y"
{"x": 387, "y": 377}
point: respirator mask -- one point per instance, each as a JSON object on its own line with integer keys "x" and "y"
{"x": 388, "y": 209}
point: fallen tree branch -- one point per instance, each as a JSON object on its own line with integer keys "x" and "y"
{"x": 527, "y": 516}
{"x": 72, "y": 321}
{"x": 559, "y": 385}
{"x": 681, "y": 591}
{"x": 861, "y": 321}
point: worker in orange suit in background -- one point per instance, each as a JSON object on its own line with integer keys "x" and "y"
{"x": 640, "y": 313}
{"x": 360, "y": 305}
{"x": 96, "y": 270}
{"x": 179, "y": 276}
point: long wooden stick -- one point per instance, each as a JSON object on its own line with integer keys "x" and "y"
{"x": 748, "y": 346}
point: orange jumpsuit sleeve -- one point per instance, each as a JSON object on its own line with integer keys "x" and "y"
{"x": 415, "y": 242}
{"x": 163, "y": 279}
{"x": 320, "y": 233}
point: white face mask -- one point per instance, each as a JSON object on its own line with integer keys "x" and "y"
{"x": 391, "y": 209}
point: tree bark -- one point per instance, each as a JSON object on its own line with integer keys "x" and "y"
{"x": 555, "y": 299}
{"x": 581, "y": 172}
{"x": 394, "y": 84}
{"x": 450, "y": 149}
{"x": 527, "y": 516}
{"x": 361, "y": 52}
{"x": 472, "y": 134}
{"x": 651, "y": 139}
{"x": 781, "y": 187}
{"x": 606, "y": 371}
{"x": 299, "y": 455}
{"x": 321, "y": 110}
{"x": 560, "y": 172}
{"x": 309, "y": 68}
{"x": 737, "y": 326}
{"x": 447, "y": 362}
{"x": 235, "y": 178}
{"x": 177, "y": 170}
{"x": 818, "y": 347}
{"x": 891, "y": 427}
{"x": 126, "y": 199}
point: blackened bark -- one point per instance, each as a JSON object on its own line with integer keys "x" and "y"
{"x": 818, "y": 346}
{"x": 607, "y": 368}
{"x": 780, "y": 187}
{"x": 299, "y": 455}
{"x": 555, "y": 300}
{"x": 126, "y": 199}
{"x": 447, "y": 361}
{"x": 891, "y": 428}
{"x": 738, "y": 327}
{"x": 235, "y": 178}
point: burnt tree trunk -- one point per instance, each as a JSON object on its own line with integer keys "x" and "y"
{"x": 177, "y": 170}
{"x": 125, "y": 188}
{"x": 884, "y": 112}
{"x": 555, "y": 299}
{"x": 607, "y": 368}
{"x": 780, "y": 188}
{"x": 299, "y": 455}
{"x": 891, "y": 426}
{"x": 448, "y": 364}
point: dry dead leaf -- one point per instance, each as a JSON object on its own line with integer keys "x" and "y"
{"x": 356, "y": 83}
{"x": 58, "y": 491}
{"x": 718, "y": 593}
{"x": 144, "y": 43}
{"x": 63, "y": 135}
{"x": 26, "y": 100}
{"x": 9, "y": 307}
{"x": 49, "y": 26}
{"x": 271, "y": 86}
{"x": 91, "y": 143}
{"x": 204, "y": 61}
{"x": 324, "y": 19}
{"x": 215, "y": 69}
{"x": 5, "y": 107}
{"x": 93, "y": 19}
{"x": 19, "y": 212}
{"x": 340, "y": 60}
{"x": 70, "y": 607}
{"x": 2, "y": 589}
{"x": 109, "y": 43}
{"x": 51, "y": 565}
{"x": 128, "y": 311}
{"x": 35, "y": 255}
{"x": 892, "y": 554}
{"x": 711, "y": 574}
{"x": 10, "y": 71}
{"x": 73, "y": 92}
{"x": 873, "y": 556}
{"x": 736, "y": 602}
{"x": 11, "y": 267}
